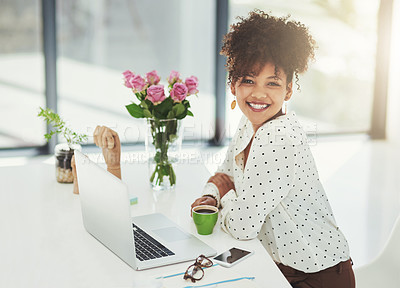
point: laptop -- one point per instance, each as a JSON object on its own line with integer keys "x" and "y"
{"x": 142, "y": 242}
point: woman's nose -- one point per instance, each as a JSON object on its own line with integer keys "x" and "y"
{"x": 259, "y": 93}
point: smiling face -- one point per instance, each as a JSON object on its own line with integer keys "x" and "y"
{"x": 260, "y": 97}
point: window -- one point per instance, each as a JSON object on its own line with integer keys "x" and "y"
{"x": 337, "y": 92}
{"x": 96, "y": 43}
{"x": 21, "y": 74}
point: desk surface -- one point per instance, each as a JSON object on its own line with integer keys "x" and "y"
{"x": 44, "y": 244}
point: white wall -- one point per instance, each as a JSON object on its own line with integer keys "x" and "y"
{"x": 393, "y": 116}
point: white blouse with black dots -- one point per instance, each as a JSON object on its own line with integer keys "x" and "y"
{"x": 279, "y": 197}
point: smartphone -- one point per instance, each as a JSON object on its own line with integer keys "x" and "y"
{"x": 232, "y": 256}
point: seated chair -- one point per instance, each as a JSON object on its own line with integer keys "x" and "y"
{"x": 383, "y": 271}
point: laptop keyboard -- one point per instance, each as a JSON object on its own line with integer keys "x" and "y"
{"x": 147, "y": 247}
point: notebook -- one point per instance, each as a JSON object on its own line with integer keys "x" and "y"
{"x": 143, "y": 242}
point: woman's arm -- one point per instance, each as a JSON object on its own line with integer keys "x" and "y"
{"x": 268, "y": 178}
{"x": 219, "y": 184}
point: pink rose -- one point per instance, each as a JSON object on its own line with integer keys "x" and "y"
{"x": 173, "y": 77}
{"x": 179, "y": 92}
{"x": 127, "y": 73}
{"x": 155, "y": 94}
{"x": 127, "y": 76}
{"x": 152, "y": 77}
{"x": 137, "y": 83}
{"x": 192, "y": 83}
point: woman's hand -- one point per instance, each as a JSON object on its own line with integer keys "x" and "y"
{"x": 223, "y": 183}
{"x": 205, "y": 200}
{"x": 108, "y": 140}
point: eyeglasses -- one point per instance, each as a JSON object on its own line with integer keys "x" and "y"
{"x": 195, "y": 271}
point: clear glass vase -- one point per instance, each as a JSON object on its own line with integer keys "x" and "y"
{"x": 163, "y": 145}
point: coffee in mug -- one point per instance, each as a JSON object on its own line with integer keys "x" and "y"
{"x": 205, "y": 211}
{"x": 205, "y": 217}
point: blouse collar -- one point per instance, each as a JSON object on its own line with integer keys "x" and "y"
{"x": 246, "y": 130}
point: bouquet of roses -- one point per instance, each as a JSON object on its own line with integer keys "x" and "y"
{"x": 162, "y": 113}
{"x": 153, "y": 101}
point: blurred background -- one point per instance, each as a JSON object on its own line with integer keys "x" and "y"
{"x": 96, "y": 40}
{"x": 69, "y": 55}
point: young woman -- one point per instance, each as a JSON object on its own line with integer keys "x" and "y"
{"x": 268, "y": 186}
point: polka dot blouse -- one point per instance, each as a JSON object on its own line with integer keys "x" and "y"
{"x": 279, "y": 198}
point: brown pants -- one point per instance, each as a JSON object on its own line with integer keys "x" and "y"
{"x": 338, "y": 276}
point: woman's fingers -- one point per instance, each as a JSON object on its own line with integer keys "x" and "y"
{"x": 209, "y": 201}
{"x": 196, "y": 202}
{"x": 205, "y": 200}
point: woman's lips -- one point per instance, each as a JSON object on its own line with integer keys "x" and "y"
{"x": 257, "y": 107}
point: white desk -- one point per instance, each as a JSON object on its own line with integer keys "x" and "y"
{"x": 44, "y": 244}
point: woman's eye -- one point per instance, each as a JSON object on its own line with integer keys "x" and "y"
{"x": 273, "y": 84}
{"x": 247, "y": 81}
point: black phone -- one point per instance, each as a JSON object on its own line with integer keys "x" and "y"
{"x": 232, "y": 256}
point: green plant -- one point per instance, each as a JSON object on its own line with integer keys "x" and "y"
{"x": 59, "y": 127}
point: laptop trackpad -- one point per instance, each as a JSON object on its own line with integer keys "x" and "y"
{"x": 171, "y": 234}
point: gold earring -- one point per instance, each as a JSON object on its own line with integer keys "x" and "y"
{"x": 233, "y": 104}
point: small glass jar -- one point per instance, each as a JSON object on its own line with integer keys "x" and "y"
{"x": 63, "y": 154}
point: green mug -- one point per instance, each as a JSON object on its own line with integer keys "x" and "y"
{"x": 205, "y": 217}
